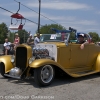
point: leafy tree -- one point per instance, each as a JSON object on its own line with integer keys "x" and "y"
{"x": 11, "y": 37}
{"x": 3, "y": 32}
{"x": 72, "y": 36}
{"x": 95, "y": 36}
{"x": 46, "y": 29}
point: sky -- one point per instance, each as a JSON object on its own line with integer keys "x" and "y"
{"x": 82, "y": 15}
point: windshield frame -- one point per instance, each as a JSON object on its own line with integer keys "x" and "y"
{"x": 54, "y": 40}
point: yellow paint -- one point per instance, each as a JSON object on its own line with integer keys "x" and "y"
{"x": 71, "y": 59}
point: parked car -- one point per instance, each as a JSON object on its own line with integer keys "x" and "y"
{"x": 55, "y": 51}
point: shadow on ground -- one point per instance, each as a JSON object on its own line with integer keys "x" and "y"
{"x": 57, "y": 81}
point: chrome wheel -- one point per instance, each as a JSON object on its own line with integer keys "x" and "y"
{"x": 47, "y": 73}
{"x": 44, "y": 75}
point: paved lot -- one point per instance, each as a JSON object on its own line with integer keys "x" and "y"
{"x": 66, "y": 88}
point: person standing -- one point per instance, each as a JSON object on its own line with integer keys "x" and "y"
{"x": 16, "y": 40}
{"x": 37, "y": 39}
{"x": 30, "y": 41}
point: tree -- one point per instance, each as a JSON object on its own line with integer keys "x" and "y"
{"x": 72, "y": 36}
{"x": 95, "y": 36}
{"x": 46, "y": 29}
{"x": 3, "y": 32}
{"x": 11, "y": 37}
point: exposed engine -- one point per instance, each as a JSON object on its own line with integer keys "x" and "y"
{"x": 41, "y": 53}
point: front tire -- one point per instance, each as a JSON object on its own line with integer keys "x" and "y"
{"x": 2, "y": 70}
{"x": 44, "y": 75}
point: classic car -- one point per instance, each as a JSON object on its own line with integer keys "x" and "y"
{"x": 54, "y": 52}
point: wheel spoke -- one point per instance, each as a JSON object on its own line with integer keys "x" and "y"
{"x": 47, "y": 73}
{"x": 44, "y": 76}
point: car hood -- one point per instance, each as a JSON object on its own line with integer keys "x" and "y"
{"x": 58, "y": 44}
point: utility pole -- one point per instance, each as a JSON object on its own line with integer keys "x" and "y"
{"x": 24, "y": 37}
{"x": 13, "y": 35}
{"x": 39, "y": 16}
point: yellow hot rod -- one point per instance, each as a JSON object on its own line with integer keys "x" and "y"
{"x": 55, "y": 51}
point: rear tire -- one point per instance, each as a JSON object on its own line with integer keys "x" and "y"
{"x": 44, "y": 75}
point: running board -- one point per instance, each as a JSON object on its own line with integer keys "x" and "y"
{"x": 83, "y": 73}
{"x": 16, "y": 77}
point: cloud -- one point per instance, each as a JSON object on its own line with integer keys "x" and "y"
{"x": 98, "y": 12}
{"x": 92, "y": 29}
{"x": 71, "y": 20}
{"x": 82, "y": 25}
{"x": 80, "y": 22}
{"x": 5, "y": 13}
{"x": 87, "y": 22}
{"x": 61, "y": 5}
{"x": 5, "y": 20}
{"x": 75, "y": 21}
{"x": 57, "y": 18}
{"x": 7, "y": 4}
{"x": 83, "y": 28}
{"x": 29, "y": 14}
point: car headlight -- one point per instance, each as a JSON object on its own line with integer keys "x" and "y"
{"x": 12, "y": 58}
{"x": 31, "y": 60}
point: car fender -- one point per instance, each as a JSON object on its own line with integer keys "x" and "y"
{"x": 97, "y": 64}
{"x": 41, "y": 62}
{"x": 6, "y": 59}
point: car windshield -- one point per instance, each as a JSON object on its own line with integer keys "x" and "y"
{"x": 59, "y": 37}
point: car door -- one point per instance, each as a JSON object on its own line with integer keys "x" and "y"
{"x": 64, "y": 55}
{"x": 79, "y": 56}
{"x": 94, "y": 50}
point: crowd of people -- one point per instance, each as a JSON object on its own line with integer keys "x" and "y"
{"x": 9, "y": 47}
{"x": 34, "y": 41}
{"x": 30, "y": 41}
